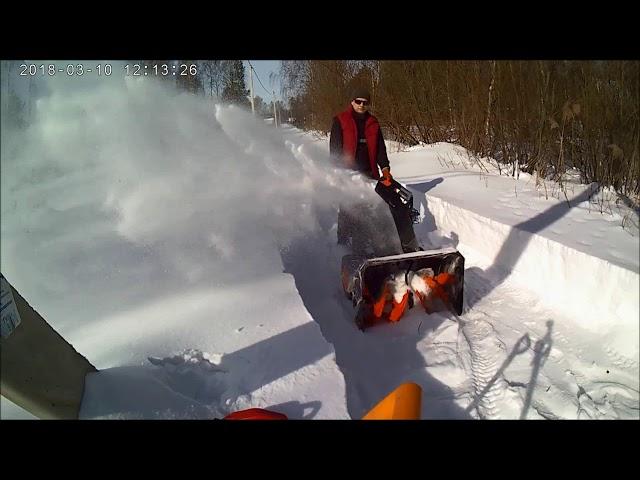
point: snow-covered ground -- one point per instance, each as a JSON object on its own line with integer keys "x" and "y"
{"x": 188, "y": 251}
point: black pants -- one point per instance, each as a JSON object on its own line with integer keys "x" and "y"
{"x": 368, "y": 229}
{"x": 404, "y": 225}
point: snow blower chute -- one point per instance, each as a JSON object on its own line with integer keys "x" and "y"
{"x": 398, "y": 196}
{"x": 385, "y": 287}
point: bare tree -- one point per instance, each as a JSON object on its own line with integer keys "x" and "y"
{"x": 214, "y": 73}
{"x": 543, "y": 117}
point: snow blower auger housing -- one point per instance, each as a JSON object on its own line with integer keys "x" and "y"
{"x": 383, "y": 288}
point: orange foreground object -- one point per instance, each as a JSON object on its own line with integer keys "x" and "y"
{"x": 256, "y": 414}
{"x": 404, "y": 403}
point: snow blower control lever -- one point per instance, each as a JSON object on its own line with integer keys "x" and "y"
{"x": 398, "y": 196}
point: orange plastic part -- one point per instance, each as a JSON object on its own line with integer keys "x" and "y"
{"x": 404, "y": 403}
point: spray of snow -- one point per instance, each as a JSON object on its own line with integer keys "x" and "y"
{"x": 128, "y": 182}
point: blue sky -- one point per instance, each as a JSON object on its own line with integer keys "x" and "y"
{"x": 263, "y": 68}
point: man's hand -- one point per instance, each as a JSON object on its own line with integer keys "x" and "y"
{"x": 386, "y": 177}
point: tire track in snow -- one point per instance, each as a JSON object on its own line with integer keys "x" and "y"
{"x": 605, "y": 374}
{"x": 483, "y": 349}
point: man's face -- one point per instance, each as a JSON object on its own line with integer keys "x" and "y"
{"x": 360, "y": 105}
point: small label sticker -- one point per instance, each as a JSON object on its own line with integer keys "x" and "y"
{"x": 9, "y": 318}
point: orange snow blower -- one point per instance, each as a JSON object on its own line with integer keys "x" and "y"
{"x": 385, "y": 287}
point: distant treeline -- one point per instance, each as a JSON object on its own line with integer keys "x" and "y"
{"x": 535, "y": 116}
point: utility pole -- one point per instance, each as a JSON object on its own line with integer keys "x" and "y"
{"x": 275, "y": 112}
{"x": 253, "y": 107}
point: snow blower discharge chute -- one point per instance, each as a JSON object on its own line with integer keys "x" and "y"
{"x": 384, "y": 288}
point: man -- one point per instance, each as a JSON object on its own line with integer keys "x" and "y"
{"x": 356, "y": 142}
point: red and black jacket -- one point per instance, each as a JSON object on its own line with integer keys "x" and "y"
{"x": 344, "y": 139}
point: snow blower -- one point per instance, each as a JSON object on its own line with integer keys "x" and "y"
{"x": 383, "y": 288}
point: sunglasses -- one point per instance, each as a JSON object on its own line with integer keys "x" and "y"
{"x": 361, "y": 102}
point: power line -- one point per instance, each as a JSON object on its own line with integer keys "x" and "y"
{"x": 260, "y": 82}
{"x": 273, "y": 95}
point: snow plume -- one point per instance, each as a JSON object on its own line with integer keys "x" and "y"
{"x": 125, "y": 189}
{"x": 286, "y": 185}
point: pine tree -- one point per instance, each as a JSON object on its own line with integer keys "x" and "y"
{"x": 234, "y": 90}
